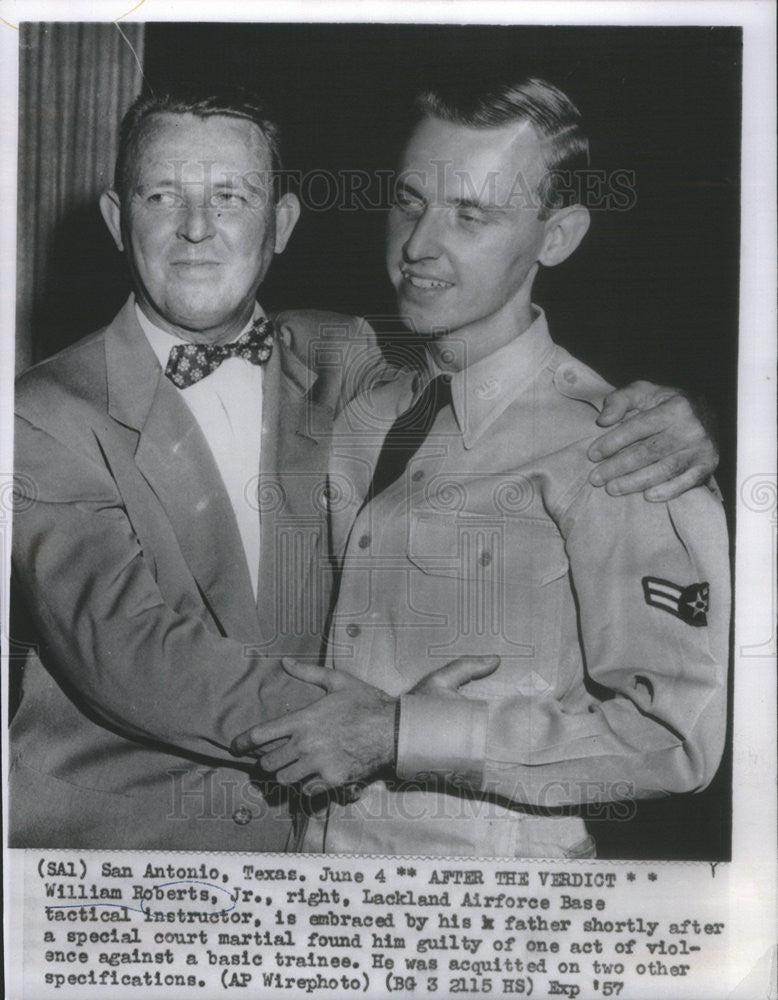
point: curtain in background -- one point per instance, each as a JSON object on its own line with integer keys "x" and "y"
{"x": 75, "y": 83}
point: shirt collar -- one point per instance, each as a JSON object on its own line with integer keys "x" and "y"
{"x": 483, "y": 391}
{"x": 162, "y": 340}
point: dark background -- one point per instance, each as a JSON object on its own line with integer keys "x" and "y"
{"x": 651, "y": 293}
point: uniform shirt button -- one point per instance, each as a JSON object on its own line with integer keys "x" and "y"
{"x": 242, "y": 816}
{"x": 353, "y": 630}
{"x": 364, "y": 541}
{"x": 485, "y": 558}
{"x": 418, "y": 474}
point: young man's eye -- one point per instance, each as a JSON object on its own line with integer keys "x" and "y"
{"x": 470, "y": 217}
{"x": 407, "y": 204}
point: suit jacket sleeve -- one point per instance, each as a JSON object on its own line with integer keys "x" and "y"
{"x": 144, "y": 667}
{"x": 649, "y": 718}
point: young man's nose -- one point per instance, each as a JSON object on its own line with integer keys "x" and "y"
{"x": 424, "y": 238}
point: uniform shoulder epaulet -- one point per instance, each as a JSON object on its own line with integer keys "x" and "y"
{"x": 575, "y": 380}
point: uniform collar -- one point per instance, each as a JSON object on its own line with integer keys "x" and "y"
{"x": 483, "y": 391}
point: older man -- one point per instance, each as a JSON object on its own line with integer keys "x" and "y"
{"x": 474, "y": 528}
{"x": 165, "y": 582}
{"x": 137, "y": 539}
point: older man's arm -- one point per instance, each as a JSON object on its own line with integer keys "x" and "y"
{"x": 352, "y": 733}
{"x": 662, "y": 441}
{"x": 149, "y": 670}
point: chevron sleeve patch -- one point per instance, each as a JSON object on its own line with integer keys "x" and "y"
{"x": 690, "y": 603}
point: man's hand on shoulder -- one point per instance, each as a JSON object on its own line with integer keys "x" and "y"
{"x": 662, "y": 442}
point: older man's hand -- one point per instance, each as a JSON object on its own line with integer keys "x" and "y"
{"x": 664, "y": 445}
{"x": 343, "y": 738}
{"x": 349, "y": 734}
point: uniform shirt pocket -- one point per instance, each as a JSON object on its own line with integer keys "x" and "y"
{"x": 499, "y": 582}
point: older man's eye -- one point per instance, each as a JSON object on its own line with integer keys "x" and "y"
{"x": 163, "y": 199}
{"x": 227, "y": 199}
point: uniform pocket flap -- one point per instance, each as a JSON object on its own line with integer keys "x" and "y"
{"x": 512, "y": 551}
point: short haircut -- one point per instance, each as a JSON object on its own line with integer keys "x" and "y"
{"x": 556, "y": 120}
{"x": 191, "y": 99}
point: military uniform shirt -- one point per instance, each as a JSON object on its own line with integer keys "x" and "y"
{"x": 610, "y": 615}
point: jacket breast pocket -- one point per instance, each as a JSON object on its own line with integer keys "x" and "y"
{"x": 498, "y": 583}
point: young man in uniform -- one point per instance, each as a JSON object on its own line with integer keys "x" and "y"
{"x": 472, "y": 527}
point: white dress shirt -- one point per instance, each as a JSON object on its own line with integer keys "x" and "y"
{"x": 227, "y": 406}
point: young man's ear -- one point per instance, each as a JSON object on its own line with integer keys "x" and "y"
{"x": 111, "y": 210}
{"x": 287, "y": 214}
{"x": 564, "y": 231}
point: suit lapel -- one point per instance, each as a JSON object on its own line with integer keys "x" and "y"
{"x": 174, "y": 458}
{"x": 296, "y": 430}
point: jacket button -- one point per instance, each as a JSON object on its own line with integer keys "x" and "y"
{"x": 418, "y": 474}
{"x": 485, "y": 558}
{"x": 242, "y": 816}
{"x": 353, "y": 630}
{"x": 364, "y": 541}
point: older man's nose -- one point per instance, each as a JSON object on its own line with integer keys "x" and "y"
{"x": 196, "y": 222}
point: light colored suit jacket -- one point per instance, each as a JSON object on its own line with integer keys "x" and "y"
{"x": 153, "y": 653}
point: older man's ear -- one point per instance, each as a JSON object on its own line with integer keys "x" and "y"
{"x": 287, "y": 213}
{"x": 111, "y": 211}
{"x": 564, "y": 230}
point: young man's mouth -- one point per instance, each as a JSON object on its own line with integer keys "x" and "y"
{"x": 423, "y": 281}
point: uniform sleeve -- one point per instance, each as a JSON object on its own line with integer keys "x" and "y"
{"x": 651, "y": 585}
{"x": 144, "y": 668}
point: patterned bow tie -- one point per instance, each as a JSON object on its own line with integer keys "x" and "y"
{"x": 188, "y": 363}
